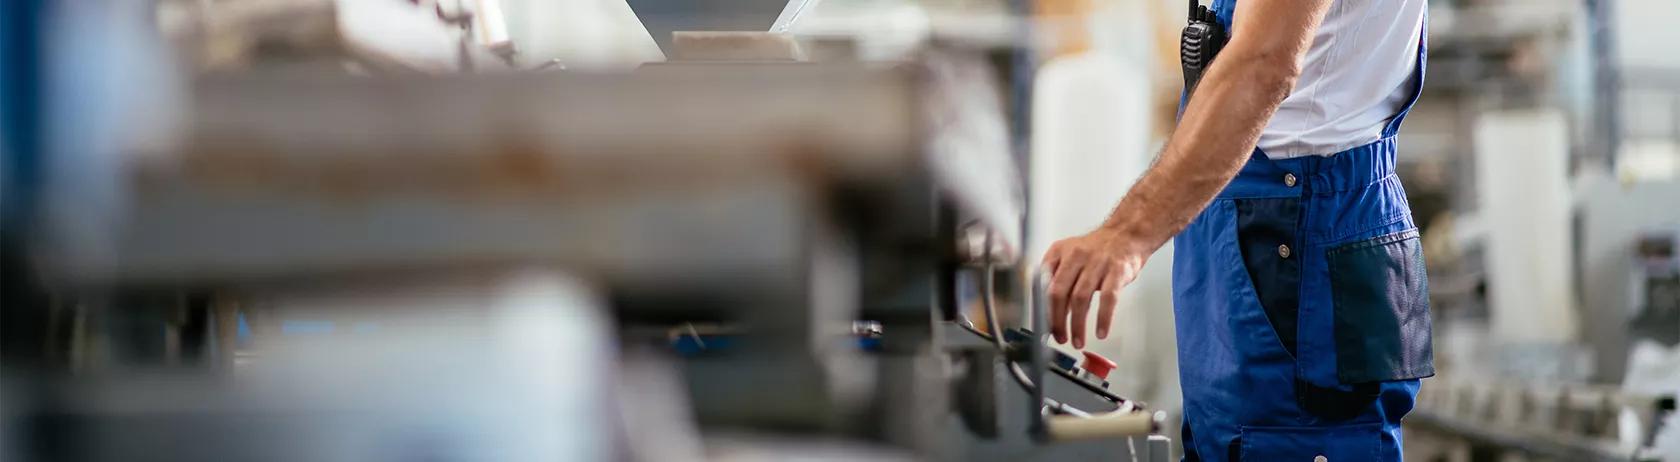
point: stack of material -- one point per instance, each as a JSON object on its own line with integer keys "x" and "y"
{"x": 735, "y": 46}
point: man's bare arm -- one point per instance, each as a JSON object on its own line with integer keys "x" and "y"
{"x": 1219, "y": 129}
{"x": 1222, "y": 124}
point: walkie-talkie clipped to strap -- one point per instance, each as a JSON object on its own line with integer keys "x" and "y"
{"x": 1200, "y": 43}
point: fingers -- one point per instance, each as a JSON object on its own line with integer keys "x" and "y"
{"x": 1061, "y": 288}
{"x": 1080, "y": 300}
{"x": 1117, "y": 280}
{"x": 1110, "y": 297}
{"x": 1052, "y": 258}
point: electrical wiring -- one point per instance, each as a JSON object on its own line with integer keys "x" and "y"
{"x": 988, "y": 292}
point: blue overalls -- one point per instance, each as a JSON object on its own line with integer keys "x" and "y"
{"x": 1302, "y": 308}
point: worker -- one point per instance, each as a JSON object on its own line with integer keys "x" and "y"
{"x": 1298, "y": 284}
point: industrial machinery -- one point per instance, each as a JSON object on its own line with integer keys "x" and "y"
{"x": 1545, "y": 283}
{"x": 702, "y": 260}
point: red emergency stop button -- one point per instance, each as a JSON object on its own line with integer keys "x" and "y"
{"x": 1098, "y": 365}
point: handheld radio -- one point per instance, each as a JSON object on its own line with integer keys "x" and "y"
{"x": 1200, "y": 43}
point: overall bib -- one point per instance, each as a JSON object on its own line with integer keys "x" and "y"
{"x": 1302, "y": 308}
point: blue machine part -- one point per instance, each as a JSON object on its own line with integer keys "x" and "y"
{"x": 1064, "y": 360}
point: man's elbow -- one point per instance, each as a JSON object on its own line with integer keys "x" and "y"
{"x": 1274, "y": 70}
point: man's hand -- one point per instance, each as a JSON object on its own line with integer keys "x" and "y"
{"x": 1105, "y": 261}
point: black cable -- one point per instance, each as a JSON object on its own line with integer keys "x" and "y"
{"x": 988, "y": 293}
{"x": 991, "y": 324}
{"x": 987, "y": 290}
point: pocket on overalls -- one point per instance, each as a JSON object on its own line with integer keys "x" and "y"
{"x": 1381, "y": 297}
{"x": 1341, "y": 443}
{"x": 1266, "y": 235}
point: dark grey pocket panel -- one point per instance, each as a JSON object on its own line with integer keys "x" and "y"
{"x": 1381, "y": 297}
{"x": 1263, "y": 225}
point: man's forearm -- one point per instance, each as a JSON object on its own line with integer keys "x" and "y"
{"x": 1218, "y": 131}
{"x": 1235, "y": 101}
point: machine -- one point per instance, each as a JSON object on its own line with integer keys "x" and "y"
{"x": 695, "y": 260}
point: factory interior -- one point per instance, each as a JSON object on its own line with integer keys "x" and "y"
{"x": 763, "y": 230}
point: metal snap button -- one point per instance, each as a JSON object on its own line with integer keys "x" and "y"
{"x": 1283, "y": 251}
{"x": 1289, "y": 180}
{"x": 1320, "y": 458}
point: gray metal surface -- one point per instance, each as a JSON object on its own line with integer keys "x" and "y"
{"x": 654, "y": 173}
{"x": 786, "y": 200}
{"x": 620, "y": 175}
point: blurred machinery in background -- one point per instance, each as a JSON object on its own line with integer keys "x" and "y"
{"x": 324, "y": 243}
{"x": 1543, "y": 173}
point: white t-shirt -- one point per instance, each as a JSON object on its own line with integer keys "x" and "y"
{"x": 1357, "y": 76}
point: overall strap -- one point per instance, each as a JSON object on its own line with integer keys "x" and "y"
{"x": 1393, "y": 127}
{"x": 1226, "y": 11}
